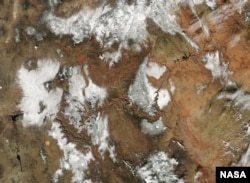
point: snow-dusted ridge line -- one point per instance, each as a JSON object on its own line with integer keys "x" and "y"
{"x": 159, "y": 168}
{"x": 245, "y": 158}
{"x": 81, "y": 90}
{"x": 121, "y": 23}
{"x": 219, "y": 70}
{"x": 142, "y": 93}
{"x": 73, "y": 159}
{"x": 239, "y": 97}
{"x": 35, "y": 87}
{"x": 75, "y": 99}
{"x": 97, "y": 129}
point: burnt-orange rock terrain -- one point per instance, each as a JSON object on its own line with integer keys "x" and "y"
{"x": 123, "y": 91}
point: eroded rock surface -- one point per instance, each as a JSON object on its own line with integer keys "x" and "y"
{"x": 128, "y": 91}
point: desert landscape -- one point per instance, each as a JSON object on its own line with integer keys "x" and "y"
{"x": 123, "y": 91}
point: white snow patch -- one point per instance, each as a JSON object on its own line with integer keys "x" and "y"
{"x": 172, "y": 86}
{"x": 43, "y": 156}
{"x": 119, "y": 24}
{"x": 76, "y": 84}
{"x": 31, "y": 31}
{"x": 197, "y": 176}
{"x": 155, "y": 70}
{"x": 59, "y": 52}
{"x": 205, "y": 29}
{"x": 144, "y": 94}
{"x": 226, "y": 143}
{"x": 198, "y": 1}
{"x": 247, "y": 16}
{"x": 94, "y": 94}
{"x": 17, "y": 35}
{"x": 180, "y": 145}
{"x": 239, "y": 97}
{"x": 81, "y": 90}
{"x": 163, "y": 97}
{"x": 154, "y": 128}
{"x": 242, "y": 98}
{"x": 201, "y": 88}
{"x": 75, "y": 99}
{"x": 218, "y": 69}
{"x": 245, "y": 158}
{"x": 190, "y": 41}
{"x": 108, "y": 24}
{"x": 211, "y": 3}
{"x": 248, "y": 129}
{"x": 111, "y": 57}
{"x": 57, "y": 175}
{"x": 72, "y": 160}
{"x": 159, "y": 168}
{"x": 97, "y": 128}
{"x": 35, "y": 94}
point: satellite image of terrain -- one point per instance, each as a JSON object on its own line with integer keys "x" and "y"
{"x": 123, "y": 91}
